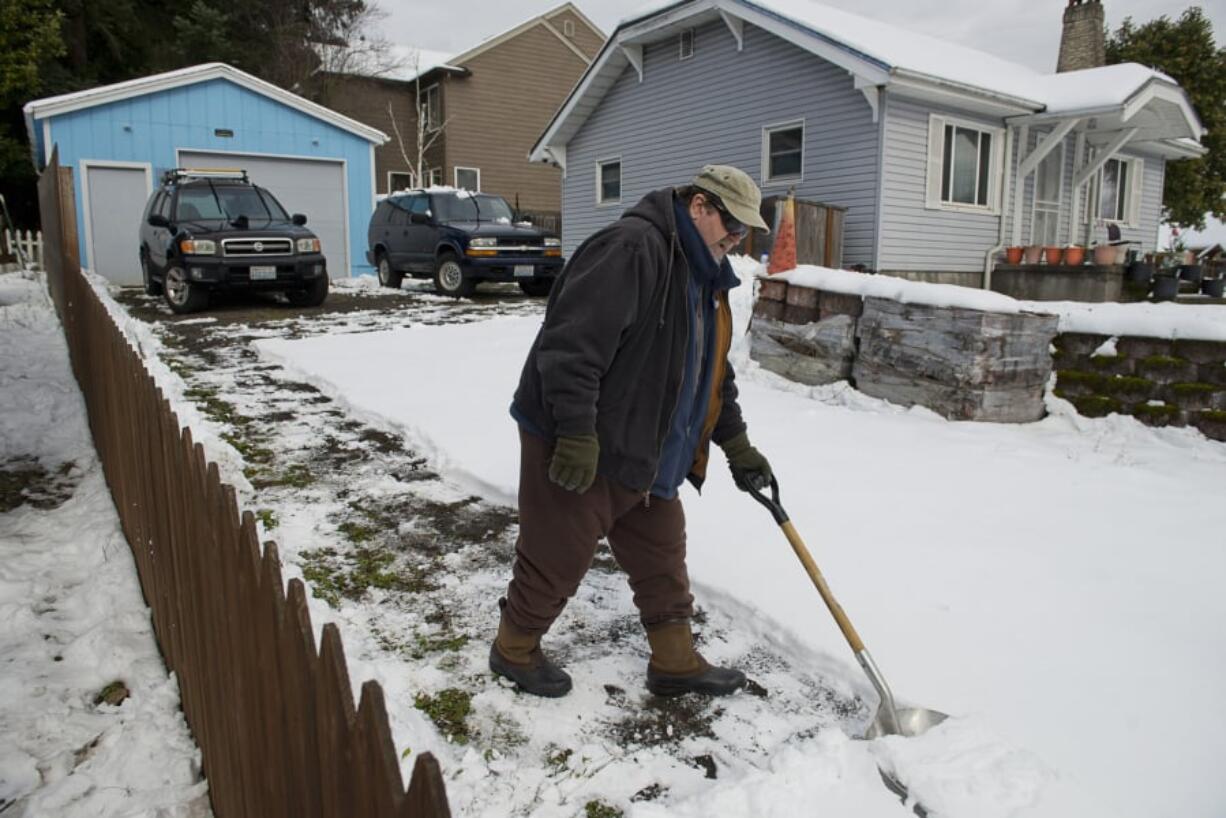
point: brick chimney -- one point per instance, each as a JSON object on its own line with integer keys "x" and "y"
{"x": 1083, "y": 43}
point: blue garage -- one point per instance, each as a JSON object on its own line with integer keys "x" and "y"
{"x": 119, "y": 140}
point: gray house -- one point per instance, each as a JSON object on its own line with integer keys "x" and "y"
{"x": 940, "y": 154}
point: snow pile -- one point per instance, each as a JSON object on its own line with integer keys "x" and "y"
{"x": 1024, "y": 578}
{"x": 72, "y": 618}
{"x": 1160, "y": 320}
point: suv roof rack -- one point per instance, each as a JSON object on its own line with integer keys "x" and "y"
{"x": 179, "y": 174}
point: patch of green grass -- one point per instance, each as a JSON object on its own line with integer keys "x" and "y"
{"x": 557, "y": 759}
{"x": 356, "y": 532}
{"x": 350, "y": 575}
{"x": 1104, "y": 361}
{"x": 1075, "y": 377}
{"x": 113, "y": 694}
{"x": 599, "y": 809}
{"x": 297, "y": 476}
{"x": 449, "y": 710}
{"x": 425, "y": 645}
{"x": 251, "y": 452}
{"x": 1213, "y": 415}
{"x": 268, "y": 517}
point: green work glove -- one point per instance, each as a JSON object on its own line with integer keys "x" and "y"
{"x": 751, "y": 470}
{"x": 573, "y": 466}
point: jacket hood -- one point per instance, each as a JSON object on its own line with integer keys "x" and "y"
{"x": 658, "y": 209}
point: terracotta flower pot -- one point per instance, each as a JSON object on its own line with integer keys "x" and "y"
{"x": 1052, "y": 255}
{"x": 1074, "y": 255}
{"x": 1013, "y": 255}
{"x": 1032, "y": 253}
{"x": 1104, "y": 254}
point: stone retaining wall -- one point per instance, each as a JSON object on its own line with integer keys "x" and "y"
{"x": 977, "y": 365}
{"x": 1158, "y": 381}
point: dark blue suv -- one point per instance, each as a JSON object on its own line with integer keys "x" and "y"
{"x": 459, "y": 238}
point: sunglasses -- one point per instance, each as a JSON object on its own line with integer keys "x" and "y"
{"x": 735, "y": 229}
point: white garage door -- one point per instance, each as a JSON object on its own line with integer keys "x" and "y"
{"x": 115, "y": 199}
{"x": 314, "y": 188}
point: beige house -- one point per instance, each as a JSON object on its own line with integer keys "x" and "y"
{"x": 484, "y": 108}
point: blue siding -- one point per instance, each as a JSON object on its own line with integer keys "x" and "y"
{"x": 712, "y": 108}
{"x": 150, "y": 128}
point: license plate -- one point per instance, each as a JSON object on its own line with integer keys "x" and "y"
{"x": 525, "y": 270}
{"x": 263, "y": 273}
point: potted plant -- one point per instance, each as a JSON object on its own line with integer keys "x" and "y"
{"x": 1213, "y": 287}
{"x": 1032, "y": 253}
{"x": 1104, "y": 254}
{"x": 1013, "y": 255}
{"x": 1074, "y": 255}
{"x": 1052, "y": 254}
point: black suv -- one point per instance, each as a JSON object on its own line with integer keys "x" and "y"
{"x": 214, "y": 230}
{"x": 459, "y": 238}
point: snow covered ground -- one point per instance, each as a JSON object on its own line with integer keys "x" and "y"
{"x": 1055, "y": 585}
{"x": 72, "y": 618}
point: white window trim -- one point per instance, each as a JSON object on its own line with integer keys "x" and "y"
{"x": 681, "y": 44}
{"x": 936, "y": 164}
{"x": 455, "y": 176}
{"x": 621, "y": 176}
{"x": 1134, "y": 192}
{"x": 424, "y": 105}
{"x": 767, "y": 130}
{"x": 1034, "y": 199}
{"x": 430, "y": 176}
{"x": 391, "y": 173}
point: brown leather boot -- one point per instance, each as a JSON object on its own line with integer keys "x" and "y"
{"x": 676, "y": 668}
{"x": 517, "y": 656}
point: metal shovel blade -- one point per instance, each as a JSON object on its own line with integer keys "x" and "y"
{"x": 907, "y": 722}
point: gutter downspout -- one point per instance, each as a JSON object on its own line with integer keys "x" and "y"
{"x": 1004, "y": 211}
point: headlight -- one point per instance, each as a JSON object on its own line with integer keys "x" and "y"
{"x": 552, "y": 242}
{"x": 198, "y": 247}
{"x": 308, "y": 245}
{"x": 483, "y": 241}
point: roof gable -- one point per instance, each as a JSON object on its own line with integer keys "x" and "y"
{"x": 105, "y": 94}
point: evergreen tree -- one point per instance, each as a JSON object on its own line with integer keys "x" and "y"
{"x": 1185, "y": 50}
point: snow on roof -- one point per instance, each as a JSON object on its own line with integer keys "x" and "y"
{"x": 403, "y": 63}
{"x": 910, "y": 51}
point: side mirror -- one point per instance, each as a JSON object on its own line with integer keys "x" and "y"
{"x": 419, "y": 218}
{"x": 158, "y": 220}
{"x": 298, "y": 219}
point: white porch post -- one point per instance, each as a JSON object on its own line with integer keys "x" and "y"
{"x": 1075, "y": 221}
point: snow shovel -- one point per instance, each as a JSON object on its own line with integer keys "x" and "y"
{"x": 890, "y": 720}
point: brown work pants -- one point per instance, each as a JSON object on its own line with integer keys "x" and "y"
{"x": 558, "y": 534}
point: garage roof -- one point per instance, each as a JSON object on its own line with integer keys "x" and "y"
{"x": 78, "y": 100}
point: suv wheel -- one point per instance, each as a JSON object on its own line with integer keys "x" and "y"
{"x": 312, "y": 296}
{"x": 182, "y": 295}
{"x": 536, "y": 286}
{"x": 151, "y": 287}
{"x": 387, "y": 276}
{"x": 449, "y": 278}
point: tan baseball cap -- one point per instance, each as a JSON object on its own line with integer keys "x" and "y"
{"x": 736, "y": 190}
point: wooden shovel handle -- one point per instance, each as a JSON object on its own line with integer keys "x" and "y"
{"x": 836, "y": 610}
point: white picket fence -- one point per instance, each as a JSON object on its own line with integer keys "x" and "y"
{"x": 26, "y": 242}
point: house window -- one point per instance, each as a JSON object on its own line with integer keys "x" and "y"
{"x": 1119, "y": 191}
{"x": 609, "y": 181}
{"x": 783, "y": 152}
{"x": 397, "y": 180}
{"x": 431, "y": 107}
{"x": 434, "y": 177}
{"x": 686, "y": 43}
{"x": 468, "y": 179}
{"x": 568, "y": 28}
{"x": 1048, "y": 185}
{"x": 965, "y": 162}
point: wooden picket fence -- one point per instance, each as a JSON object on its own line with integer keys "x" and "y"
{"x": 274, "y": 718}
{"x": 23, "y": 243}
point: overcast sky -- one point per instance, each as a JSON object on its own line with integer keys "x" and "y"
{"x": 1025, "y": 31}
